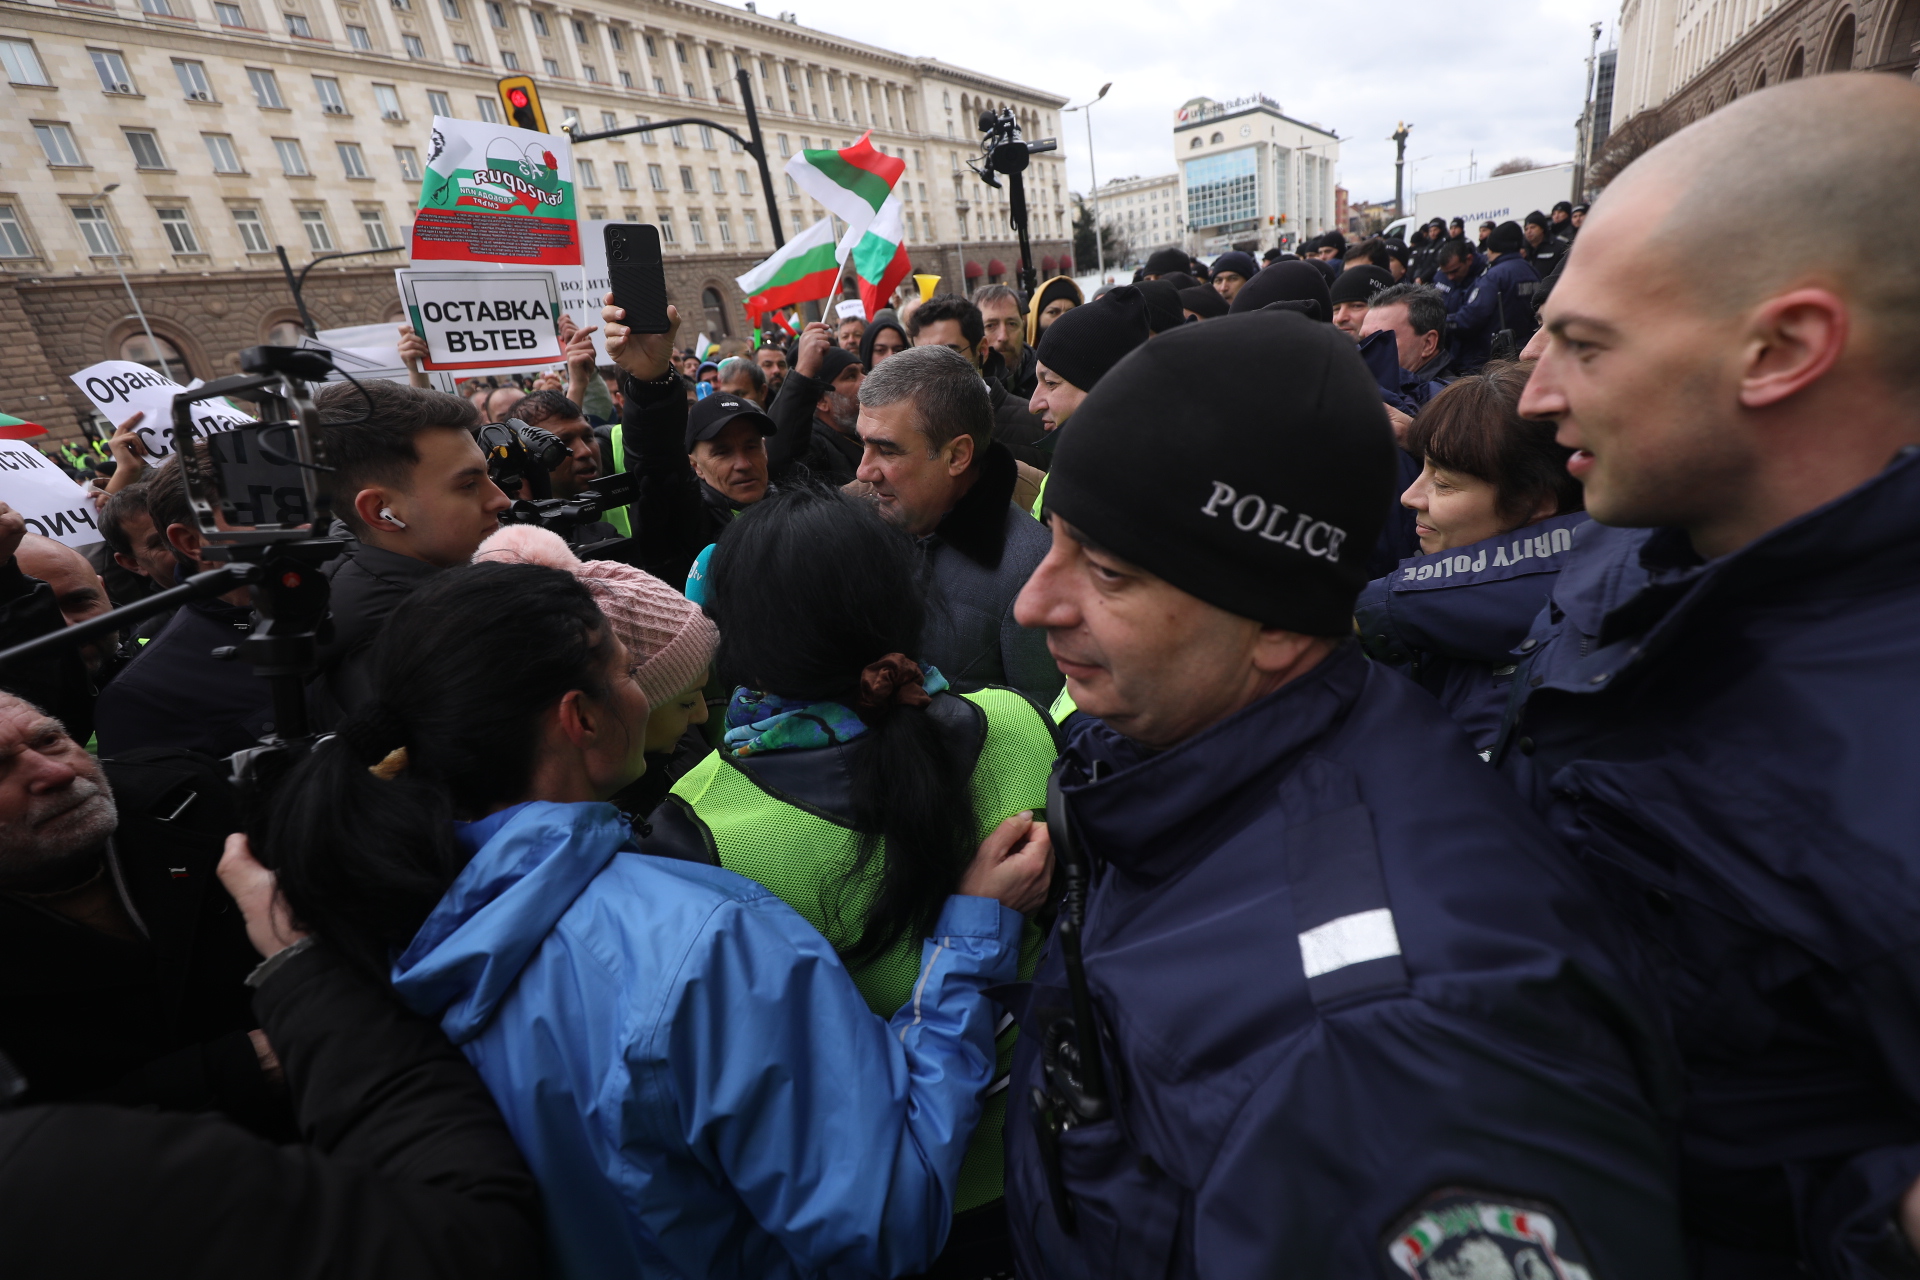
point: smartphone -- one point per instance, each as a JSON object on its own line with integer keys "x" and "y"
{"x": 636, "y": 276}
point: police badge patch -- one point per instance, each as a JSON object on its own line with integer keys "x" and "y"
{"x": 1458, "y": 1233}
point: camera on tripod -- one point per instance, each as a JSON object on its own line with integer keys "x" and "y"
{"x": 520, "y": 457}
{"x": 1003, "y": 151}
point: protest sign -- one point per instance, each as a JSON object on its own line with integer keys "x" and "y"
{"x": 494, "y": 193}
{"x": 119, "y": 388}
{"x": 484, "y": 319}
{"x": 52, "y": 503}
{"x": 583, "y": 293}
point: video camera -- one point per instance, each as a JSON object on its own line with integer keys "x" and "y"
{"x": 520, "y": 456}
{"x": 1003, "y": 151}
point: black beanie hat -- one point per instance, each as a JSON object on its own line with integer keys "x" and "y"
{"x": 1234, "y": 260}
{"x": 1506, "y": 238}
{"x": 1359, "y": 282}
{"x": 1538, "y": 219}
{"x": 1271, "y": 505}
{"x": 1294, "y": 281}
{"x": 1179, "y": 279}
{"x": 1087, "y": 341}
{"x": 1204, "y": 301}
{"x": 1163, "y": 305}
{"x": 1165, "y": 260}
{"x": 834, "y": 361}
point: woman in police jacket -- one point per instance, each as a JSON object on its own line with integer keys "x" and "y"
{"x": 1495, "y": 512}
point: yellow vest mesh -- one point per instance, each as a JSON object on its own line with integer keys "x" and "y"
{"x": 807, "y": 858}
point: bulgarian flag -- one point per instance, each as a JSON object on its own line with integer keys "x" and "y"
{"x": 853, "y": 183}
{"x": 878, "y": 260}
{"x": 802, "y": 270}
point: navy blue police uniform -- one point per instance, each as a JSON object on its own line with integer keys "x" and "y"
{"x": 1729, "y": 745}
{"x": 1501, "y": 298}
{"x": 1451, "y": 620}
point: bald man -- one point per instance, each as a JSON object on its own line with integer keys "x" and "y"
{"x": 1722, "y": 710}
{"x": 77, "y": 589}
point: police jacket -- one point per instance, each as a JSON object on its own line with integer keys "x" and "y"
{"x": 1501, "y": 299}
{"x": 787, "y": 819}
{"x": 1730, "y": 746}
{"x": 1450, "y": 620}
{"x": 1455, "y": 295}
{"x": 1360, "y": 1017}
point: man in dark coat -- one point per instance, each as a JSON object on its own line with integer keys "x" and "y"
{"x": 1499, "y": 301}
{"x": 1353, "y": 1016}
{"x": 1722, "y": 710}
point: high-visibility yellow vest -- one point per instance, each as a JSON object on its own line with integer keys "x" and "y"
{"x": 805, "y": 856}
{"x": 620, "y": 518}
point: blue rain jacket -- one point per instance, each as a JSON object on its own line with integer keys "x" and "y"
{"x": 1451, "y": 620}
{"x": 1731, "y": 747}
{"x": 1363, "y": 1017}
{"x": 696, "y": 1083}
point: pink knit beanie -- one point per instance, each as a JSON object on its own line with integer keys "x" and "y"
{"x": 667, "y": 634}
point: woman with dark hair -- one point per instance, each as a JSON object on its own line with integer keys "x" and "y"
{"x": 1496, "y": 512}
{"x": 697, "y": 1085}
{"x": 852, "y": 782}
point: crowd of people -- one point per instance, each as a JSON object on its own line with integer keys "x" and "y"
{"x": 1381, "y": 761}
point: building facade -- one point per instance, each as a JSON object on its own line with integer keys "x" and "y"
{"x": 1680, "y": 59}
{"x": 1144, "y": 212}
{"x": 183, "y": 140}
{"x": 1252, "y": 177}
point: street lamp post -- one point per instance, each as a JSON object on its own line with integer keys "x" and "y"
{"x": 152, "y": 344}
{"x": 1093, "y": 176}
{"x": 298, "y": 285}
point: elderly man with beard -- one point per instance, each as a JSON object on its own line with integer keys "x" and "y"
{"x": 122, "y": 961}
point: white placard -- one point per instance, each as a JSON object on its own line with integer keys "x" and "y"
{"x": 583, "y": 294}
{"x": 119, "y": 388}
{"x": 51, "y": 502}
{"x": 484, "y": 319}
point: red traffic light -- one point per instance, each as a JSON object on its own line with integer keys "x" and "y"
{"x": 517, "y": 96}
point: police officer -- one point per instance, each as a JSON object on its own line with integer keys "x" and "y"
{"x": 1499, "y": 302}
{"x": 1322, "y": 999}
{"x": 1722, "y": 703}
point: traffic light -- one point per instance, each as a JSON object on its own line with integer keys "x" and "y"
{"x": 522, "y": 102}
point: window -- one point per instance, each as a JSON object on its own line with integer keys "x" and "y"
{"x": 696, "y": 227}
{"x": 179, "y": 230}
{"x": 721, "y": 221}
{"x": 489, "y": 109}
{"x": 193, "y": 80}
{"x": 752, "y": 220}
{"x": 112, "y": 71}
{"x": 623, "y": 175}
{"x": 266, "y": 89}
{"x": 793, "y": 192}
{"x": 409, "y": 161}
{"x": 439, "y": 104}
{"x": 678, "y": 134}
{"x": 626, "y": 79}
{"x": 733, "y": 144}
{"x": 584, "y": 169}
{"x": 784, "y": 150}
{"x": 293, "y": 161}
{"x": 613, "y": 38}
{"x": 220, "y": 150}
{"x": 691, "y": 91}
{"x": 591, "y": 72}
{"x": 297, "y": 26}
{"x": 451, "y": 9}
{"x": 402, "y": 6}
{"x": 656, "y": 177}
{"x": 497, "y": 14}
{"x": 648, "y": 137}
{"x": 666, "y": 227}
{"x": 740, "y": 178}
{"x": 923, "y": 190}
{"x": 92, "y": 219}
{"x": 717, "y": 182}
{"x": 328, "y": 90}
{"x": 253, "y": 236}
{"x": 13, "y": 236}
{"x": 56, "y": 140}
{"x": 509, "y": 59}
{"x": 374, "y": 223}
{"x": 351, "y": 160}
{"x": 540, "y": 24}
{"x": 158, "y": 8}
{"x": 415, "y": 48}
{"x": 464, "y": 53}
{"x": 579, "y": 31}
{"x": 706, "y": 136}
{"x": 146, "y": 149}
{"x": 1221, "y": 188}
{"x": 680, "y": 49}
{"x": 659, "y": 85}
{"x": 686, "y": 179}
{"x": 22, "y": 63}
{"x": 916, "y": 165}
{"x": 387, "y": 98}
{"x": 710, "y": 63}
{"x": 319, "y": 239}
{"x": 358, "y": 38}
{"x": 652, "y": 50}
{"x": 552, "y": 67}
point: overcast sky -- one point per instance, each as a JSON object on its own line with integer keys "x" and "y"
{"x": 1497, "y": 79}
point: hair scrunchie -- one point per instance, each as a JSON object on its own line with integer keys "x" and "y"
{"x": 895, "y": 680}
{"x": 377, "y": 737}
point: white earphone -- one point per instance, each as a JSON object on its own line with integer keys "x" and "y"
{"x": 386, "y": 513}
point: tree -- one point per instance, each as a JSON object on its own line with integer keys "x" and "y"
{"x": 1519, "y": 164}
{"x": 1625, "y": 145}
{"x": 1111, "y": 240}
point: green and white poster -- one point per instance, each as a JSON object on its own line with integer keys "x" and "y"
{"x": 494, "y": 193}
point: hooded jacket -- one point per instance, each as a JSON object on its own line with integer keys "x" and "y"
{"x": 885, "y": 320}
{"x": 1049, "y": 291}
{"x": 1729, "y": 746}
{"x": 698, "y": 1087}
{"x": 1358, "y": 1009}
